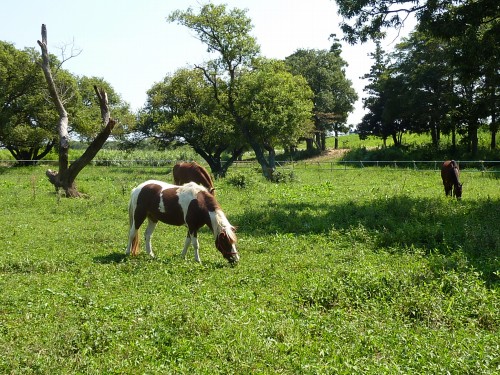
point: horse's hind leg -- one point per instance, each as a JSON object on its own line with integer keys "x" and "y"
{"x": 149, "y": 233}
{"x": 186, "y": 245}
{"x": 131, "y": 238}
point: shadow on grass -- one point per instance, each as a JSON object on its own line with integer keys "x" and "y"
{"x": 398, "y": 224}
{"x": 111, "y": 258}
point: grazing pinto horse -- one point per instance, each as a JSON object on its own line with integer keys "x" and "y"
{"x": 449, "y": 174}
{"x": 192, "y": 172}
{"x": 191, "y": 205}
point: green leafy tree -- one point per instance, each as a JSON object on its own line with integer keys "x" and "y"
{"x": 86, "y": 119}
{"x": 423, "y": 62}
{"x": 374, "y": 122}
{"x": 334, "y": 95}
{"x": 444, "y": 93}
{"x": 365, "y": 19}
{"x": 226, "y": 33}
{"x": 28, "y": 121}
{"x": 470, "y": 28}
{"x": 276, "y": 108}
{"x": 475, "y": 60}
{"x": 26, "y": 124}
{"x": 183, "y": 109}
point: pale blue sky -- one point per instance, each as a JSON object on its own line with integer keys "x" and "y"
{"x": 131, "y": 45}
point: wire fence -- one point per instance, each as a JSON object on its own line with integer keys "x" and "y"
{"x": 483, "y": 166}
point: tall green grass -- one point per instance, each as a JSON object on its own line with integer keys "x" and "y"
{"x": 358, "y": 271}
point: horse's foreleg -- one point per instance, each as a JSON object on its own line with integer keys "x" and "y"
{"x": 149, "y": 233}
{"x": 447, "y": 189}
{"x": 196, "y": 245}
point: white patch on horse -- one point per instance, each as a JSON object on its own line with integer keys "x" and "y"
{"x": 187, "y": 193}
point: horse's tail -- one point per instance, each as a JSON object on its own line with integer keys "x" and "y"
{"x": 134, "y": 246}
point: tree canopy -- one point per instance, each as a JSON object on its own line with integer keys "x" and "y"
{"x": 450, "y": 65}
{"x": 27, "y": 118}
{"x": 233, "y": 73}
{"x": 26, "y": 123}
{"x": 420, "y": 88}
{"x": 182, "y": 109}
{"x": 369, "y": 19}
{"x": 334, "y": 95}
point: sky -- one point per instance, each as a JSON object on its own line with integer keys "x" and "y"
{"x": 131, "y": 45}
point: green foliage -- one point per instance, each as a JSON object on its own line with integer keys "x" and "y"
{"x": 265, "y": 104}
{"x": 333, "y": 92}
{"x": 27, "y": 119}
{"x": 284, "y": 176}
{"x": 276, "y": 106}
{"x": 183, "y": 110}
{"x": 358, "y": 271}
{"x": 26, "y": 123}
{"x": 442, "y": 79}
{"x": 86, "y": 121}
{"x": 225, "y": 32}
{"x": 238, "y": 179}
{"x": 448, "y": 18}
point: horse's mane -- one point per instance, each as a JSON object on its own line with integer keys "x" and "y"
{"x": 222, "y": 225}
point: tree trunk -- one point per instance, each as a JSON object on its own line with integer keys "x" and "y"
{"x": 454, "y": 138}
{"x": 217, "y": 167}
{"x": 434, "y": 134}
{"x": 65, "y": 177}
{"x": 309, "y": 145}
{"x": 474, "y": 141}
{"x": 395, "y": 139}
{"x": 493, "y": 127}
{"x": 323, "y": 141}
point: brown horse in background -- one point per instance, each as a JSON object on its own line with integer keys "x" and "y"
{"x": 449, "y": 174}
{"x": 192, "y": 172}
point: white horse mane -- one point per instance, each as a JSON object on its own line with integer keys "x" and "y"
{"x": 221, "y": 224}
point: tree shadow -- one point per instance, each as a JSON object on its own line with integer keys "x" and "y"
{"x": 398, "y": 224}
{"x": 111, "y": 258}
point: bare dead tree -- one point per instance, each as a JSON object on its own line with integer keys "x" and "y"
{"x": 65, "y": 177}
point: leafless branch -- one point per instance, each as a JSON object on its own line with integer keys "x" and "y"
{"x": 212, "y": 79}
{"x": 74, "y": 52}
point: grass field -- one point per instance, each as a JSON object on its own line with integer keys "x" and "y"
{"x": 363, "y": 271}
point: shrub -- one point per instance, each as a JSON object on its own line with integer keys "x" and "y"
{"x": 238, "y": 179}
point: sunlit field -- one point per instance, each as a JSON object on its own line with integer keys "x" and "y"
{"x": 362, "y": 270}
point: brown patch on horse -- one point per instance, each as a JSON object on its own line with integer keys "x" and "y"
{"x": 203, "y": 203}
{"x": 185, "y": 172}
{"x": 449, "y": 174}
{"x": 159, "y": 204}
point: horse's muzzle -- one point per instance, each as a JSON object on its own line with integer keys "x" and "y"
{"x": 234, "y": 258}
